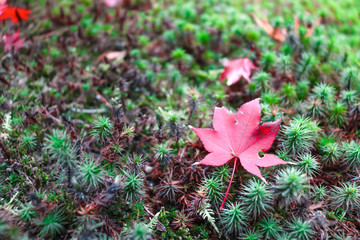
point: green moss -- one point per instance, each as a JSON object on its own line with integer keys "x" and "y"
{"x": 108, "y": 141}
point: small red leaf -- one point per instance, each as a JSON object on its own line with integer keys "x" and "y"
{"x": 13, "y": 41}
{"x": 15, "y": 14}
{"x": 236, "y": 69}
{"x": 241, "y": 137}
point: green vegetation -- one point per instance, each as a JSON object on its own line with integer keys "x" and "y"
{"x": 97, "y": 102}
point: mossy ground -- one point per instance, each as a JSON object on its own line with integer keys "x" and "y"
{"x": 96, "y": 147}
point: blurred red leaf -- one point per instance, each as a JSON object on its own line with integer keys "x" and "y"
{"x": 15, "y": 14}
{"x": 111, "y": 3}
{"x": 276, "y": 33}
{"x": 13, "y": 40}
{"x": 113, "y": 55}
{"x": 236, "y": 69}
{"x": 279, "y": 34}
{"x": 316, "y": 206}
{"x": 310, "y": 30}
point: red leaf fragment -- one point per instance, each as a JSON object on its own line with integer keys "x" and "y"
{"x": 15, "y": 14}
{"x": 279, "y": 34}
{"x": 112, "y": 55}
{"x": 241, "y": 137}
{"x": 310, "y": 29}
{"x": 316, "y": 206}
{"x": 236, "y": 69}
{"x": 13, "y": 41}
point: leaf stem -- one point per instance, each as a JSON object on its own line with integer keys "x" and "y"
{"x": 227, "y": 191}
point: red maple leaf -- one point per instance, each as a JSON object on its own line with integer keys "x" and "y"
{"x": 241, "y": 137}
{"x": 13, "y": 41}
{"x": 236, "y": 69}
{"x": 15, "y": 14}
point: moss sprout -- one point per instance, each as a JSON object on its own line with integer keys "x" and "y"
{"x": 324, "y": 92}
{"x": 268, "y": 60}
{"x": 270, "y": 228}
{"x": 262, "y": 81}
{"x": 223, "y": 173}
{"x": 349, "y": 97}
{"x": 59, "y": 147}
{"x": 308, "y": 164}
{"x": 320, "y": 192}
{"x": 306, "y": 64}
{"x": 91, "y": 173}
{"x": 28, "y": 141}
{"x": 346, "y": 196}
{"x": 300, "y": 135}
{"x": 302, "y": 89}
{"x": 138, "y": 231}
{"x": 163, "y": 154}
{"x": 351, "y": 154}
{"x": 315, "y": 108}
{"x": 300, "y": 229}
{"x": 284, "y": 64}
{"x": 27, "y": 212}
{"x": 215, "y": 189}
{"x": 233, "y": 218}
{"x": 133, "y": 186}
{"x": 257, "y": 197}
{"x": 337, "y": 114}
{"x": 290, "y": 184}
{"x": 349, "y": 77}
{"x": 102, "y": 129}
{"x": 52, "y": 224}
{"x": 169, "y": 188}
{"x": 250, "y": 235}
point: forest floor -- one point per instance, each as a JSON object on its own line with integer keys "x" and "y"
{"x": 103, "y": 105}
